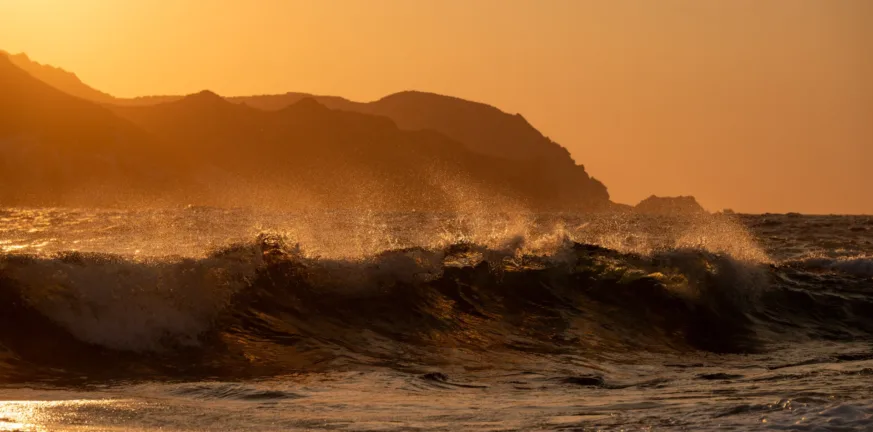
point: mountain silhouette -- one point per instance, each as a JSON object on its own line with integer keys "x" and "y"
{"x": 278, "y": 150}
{"x": 482, "y": 128}
{"x": 277, "y": 102}
{"x": 337, "y": 157}
{"x": 56, "y": 147}
{"x": 58, "y": 78}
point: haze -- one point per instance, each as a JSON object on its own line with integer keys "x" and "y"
{"x": 755, "y": 106}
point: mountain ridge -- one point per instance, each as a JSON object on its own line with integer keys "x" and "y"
{"x": 535, "y": 162}
{"x": 58, "y": 77}
{"x": 203, "y": 149}
{"x": 482, "y": 127}
{"x": 55, "y": 146}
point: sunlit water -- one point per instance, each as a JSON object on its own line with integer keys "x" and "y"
{"x": 140, "y": 337}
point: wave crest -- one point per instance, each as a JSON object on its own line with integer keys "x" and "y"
{"x": 268, "y": 304}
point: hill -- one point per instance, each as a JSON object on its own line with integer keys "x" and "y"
{"x": 56, "y": 77}
{"x": 409, "y": 150}
{"x": 203, "y": 149}
{"x": 335, "y": 158}
{"x": 57, "y": 148}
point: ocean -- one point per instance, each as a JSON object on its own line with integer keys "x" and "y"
{"x": 206, "y": 319}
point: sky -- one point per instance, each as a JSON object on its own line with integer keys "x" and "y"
{"x": 758, "y": 106}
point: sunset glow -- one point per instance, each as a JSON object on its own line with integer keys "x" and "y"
{"x": 431, "y": 215}
{"x": 735, "y": 102}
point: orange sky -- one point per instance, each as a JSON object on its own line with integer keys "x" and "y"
{"x": 748, "y": 104}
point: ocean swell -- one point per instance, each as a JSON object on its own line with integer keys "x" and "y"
{"x": 265, "y": 306}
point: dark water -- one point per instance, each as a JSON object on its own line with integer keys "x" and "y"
{"x": 206, "y": 319}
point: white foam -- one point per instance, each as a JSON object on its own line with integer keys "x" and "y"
{"x": 134, "y": 305}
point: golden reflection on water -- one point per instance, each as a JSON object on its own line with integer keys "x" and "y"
{"x": 39, "y": 415}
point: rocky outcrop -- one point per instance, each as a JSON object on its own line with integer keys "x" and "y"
{"x": 681, "y": 205}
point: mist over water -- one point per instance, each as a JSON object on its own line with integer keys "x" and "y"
{"x": 358, "y": 234}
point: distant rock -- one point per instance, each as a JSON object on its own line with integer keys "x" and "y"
{"x": 681, "y": 205}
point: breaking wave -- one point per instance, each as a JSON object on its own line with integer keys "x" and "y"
{"x": 266, "y": 307}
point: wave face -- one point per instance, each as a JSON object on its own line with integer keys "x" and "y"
{"x": 266, "y": 306}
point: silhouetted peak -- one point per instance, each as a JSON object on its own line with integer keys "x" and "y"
{"x": 481, "y": 127}
{"x": 298, "y": 95}
{"x": 24, "y": 62}
{"x": 205, "y": 95}
{"x": 307, "y": 104}
{"x": 203, "y": 100}
{"x": 56, "y": 77}
{"x": 415, "y": 96}
{"x": 451, "y": 108}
